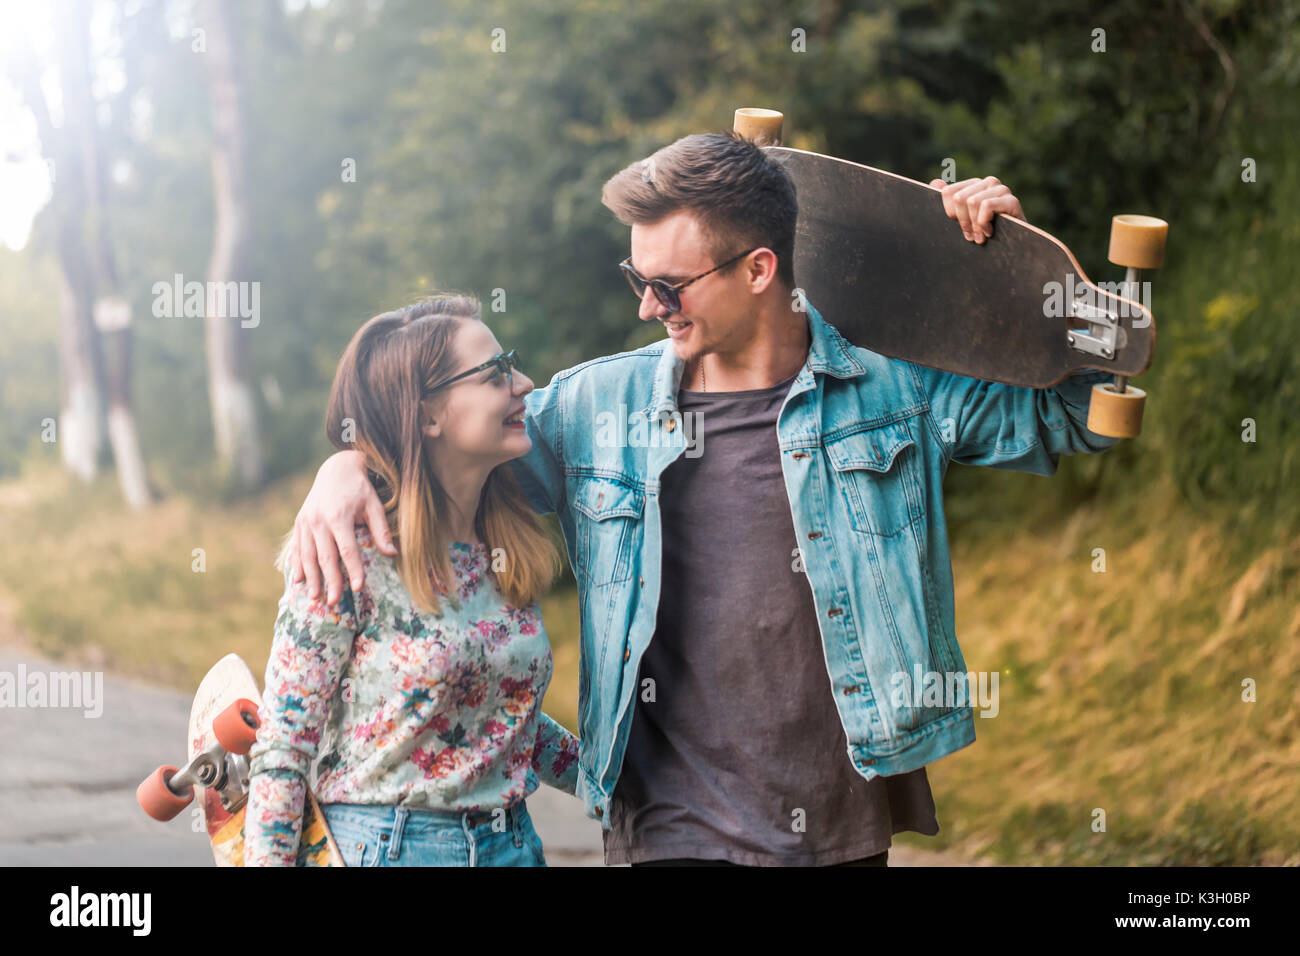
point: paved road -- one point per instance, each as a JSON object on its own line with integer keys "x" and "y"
{"x": 67, "y": 785}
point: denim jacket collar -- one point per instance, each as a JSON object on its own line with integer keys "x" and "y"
{"x": 829, "y": 353}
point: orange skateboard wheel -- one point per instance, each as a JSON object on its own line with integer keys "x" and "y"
{"x": 236, "y": 727}
{"x": 1138, "y": 242}
{"x": 157, "y": 799}
{"x": 1116, "y": 414}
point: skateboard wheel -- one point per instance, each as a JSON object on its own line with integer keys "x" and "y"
{"x": 761, "y": 126}
{"x": 236, "y": 727}
{"x": 156, "y": 798}
{"x": 1116, "y": 414}
{"x": 1138, "y": 242}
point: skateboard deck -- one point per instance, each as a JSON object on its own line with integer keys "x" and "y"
{"x": 228, "y": 681}
{"x": 878, "y": 257}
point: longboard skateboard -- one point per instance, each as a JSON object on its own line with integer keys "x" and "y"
{"x": 877, "y": 255}
{"x": 222, "y": 728}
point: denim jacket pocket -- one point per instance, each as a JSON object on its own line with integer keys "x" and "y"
{"x": 606, "y": 512}
{"x": 876, "y": 471}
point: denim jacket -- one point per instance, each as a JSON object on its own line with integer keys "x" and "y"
{"x": 864, "y": 443}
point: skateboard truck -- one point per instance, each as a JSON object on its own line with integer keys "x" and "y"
{"x": 221, "y": 768}
{"x": 1137, "y": 243}
{"x": 1101, "y": 337}
{"x": 214, "y": 769}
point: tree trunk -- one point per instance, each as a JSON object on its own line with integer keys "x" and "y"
{"x": 96, "y": 342}
{"x": 230, "y": 389}
{"x": 81, "y": 417}
{"x": 113, "y": 319}
{"x": 95, "y": 334}
{"x": 110, "y": 312}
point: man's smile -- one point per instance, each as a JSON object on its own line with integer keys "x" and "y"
{"x": 676, "y": 329}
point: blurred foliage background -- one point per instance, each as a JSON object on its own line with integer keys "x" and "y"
{"x": 479, "y": 169}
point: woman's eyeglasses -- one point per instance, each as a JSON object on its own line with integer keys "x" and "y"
{"x": 504, "y": 362}
{"x": 667, "y": 293}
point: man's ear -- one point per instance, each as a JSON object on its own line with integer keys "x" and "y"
{"x": 762, "y": 270}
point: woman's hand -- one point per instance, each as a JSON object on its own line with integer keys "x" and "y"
{"x": 340, "y": 498}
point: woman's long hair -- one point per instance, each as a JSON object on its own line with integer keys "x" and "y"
{"x": 377, "y": 407}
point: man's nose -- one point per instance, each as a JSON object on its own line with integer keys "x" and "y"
{"x": 651, "y": 307}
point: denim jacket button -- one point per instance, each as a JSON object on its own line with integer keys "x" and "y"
{"x": 599, "y": 813}
{"x": 671, "y": 424}
{"x": 627, "y": 655}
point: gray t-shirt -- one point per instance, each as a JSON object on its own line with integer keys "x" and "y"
{"x": 741, "y": 755}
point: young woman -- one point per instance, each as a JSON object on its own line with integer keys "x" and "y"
{"x": 415, "y": 705}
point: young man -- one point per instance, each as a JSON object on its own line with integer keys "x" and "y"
{"x": 753, "y": 510}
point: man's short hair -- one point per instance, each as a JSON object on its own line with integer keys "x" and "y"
{"x": 740, "y": 195}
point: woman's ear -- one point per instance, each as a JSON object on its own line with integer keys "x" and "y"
{"x": 429, "y": 425}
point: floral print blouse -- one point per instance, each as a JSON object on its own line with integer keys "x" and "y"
{"x": 380, "y": 703}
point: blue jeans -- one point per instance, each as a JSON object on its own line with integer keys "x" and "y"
{"x": 401, "y": 836}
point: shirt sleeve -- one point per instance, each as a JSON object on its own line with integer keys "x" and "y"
{"x": 540, "y": 472}
{"x": 311, "y": 645}
{"x": 1007, "y": 426}
{"x": 555, "y": 755}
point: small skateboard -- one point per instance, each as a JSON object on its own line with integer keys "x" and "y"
{"x": 222, "y": 729}
{"x": 881, "y": 260}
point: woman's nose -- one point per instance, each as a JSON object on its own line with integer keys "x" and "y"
{"x": 522, "y": 383}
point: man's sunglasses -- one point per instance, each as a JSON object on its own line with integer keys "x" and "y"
{"x": 667, "y": 293}
{"x": 504, "y": 362}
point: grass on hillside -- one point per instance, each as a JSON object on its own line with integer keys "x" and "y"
{"x": 1122, "y": 691}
